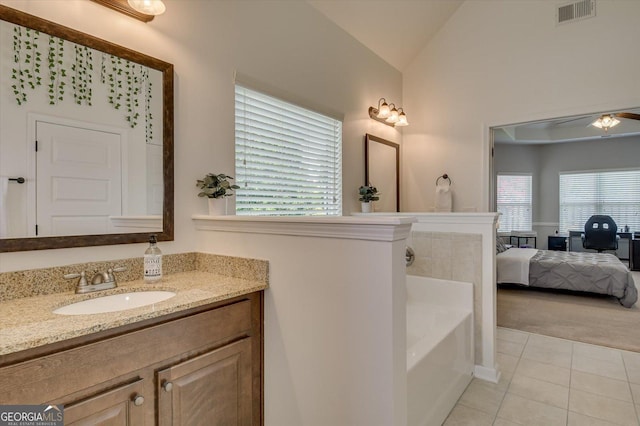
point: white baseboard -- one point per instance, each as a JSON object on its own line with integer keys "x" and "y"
{"x": 485, "y": 373}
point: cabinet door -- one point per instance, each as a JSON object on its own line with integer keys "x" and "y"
{"x": 123, "y": 405}
{"x": 211, "y": 389}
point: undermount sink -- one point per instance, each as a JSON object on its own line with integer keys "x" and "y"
{"x": 115, "y": 303}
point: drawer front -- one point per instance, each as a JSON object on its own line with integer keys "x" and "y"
{"x": 53, "y": 376}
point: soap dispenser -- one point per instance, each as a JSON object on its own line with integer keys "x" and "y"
{"x": 152, "y": 261}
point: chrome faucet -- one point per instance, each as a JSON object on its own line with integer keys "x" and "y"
{"x": 100, "y": 280}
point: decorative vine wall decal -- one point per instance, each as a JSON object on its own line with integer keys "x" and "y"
{"x": 27, "y": 60}
{"x": 82, "y": 78}
{"x": 126, "y": 81}
{"x": 57, "y": 73}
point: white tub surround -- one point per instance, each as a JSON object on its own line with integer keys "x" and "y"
{"x": 440, "y": 350}
{"x": 335, "y": 314}
{"x": 451, "y": 242}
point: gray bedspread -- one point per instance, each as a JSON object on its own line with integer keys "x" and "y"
{"x": 593, "y": 272}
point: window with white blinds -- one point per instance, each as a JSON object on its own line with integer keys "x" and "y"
{"x": 612, "y": 193}
{"x": 514, "y": 202}
{"x": 288, "y": 158}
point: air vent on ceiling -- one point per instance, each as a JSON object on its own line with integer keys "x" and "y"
{"x": 576, "y": 11}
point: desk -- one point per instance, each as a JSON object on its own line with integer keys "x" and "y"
{"x": 557, "y": 243}
{"x": 518, "y": 237}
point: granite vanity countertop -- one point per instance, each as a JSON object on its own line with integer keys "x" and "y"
{"x": 30, "y": 322}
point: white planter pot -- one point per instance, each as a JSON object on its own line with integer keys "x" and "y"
{"x": 366, "y": 207}
{"x": 217, "y": 206}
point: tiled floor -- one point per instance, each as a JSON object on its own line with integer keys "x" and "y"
{"x": 548, "y": 381}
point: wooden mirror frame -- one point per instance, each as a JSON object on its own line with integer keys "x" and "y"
{"x": 40, "y": 243}
{"x": 368, "y": 139}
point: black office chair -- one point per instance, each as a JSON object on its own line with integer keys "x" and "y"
{"x": 600, "y": 233}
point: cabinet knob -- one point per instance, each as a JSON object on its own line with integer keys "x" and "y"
{"x": 138, "y": 400}
{"x": 167, "y": 386}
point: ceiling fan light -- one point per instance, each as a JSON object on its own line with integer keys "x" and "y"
{"x": 148, "y": 7}
{"x": 606, "y": 122}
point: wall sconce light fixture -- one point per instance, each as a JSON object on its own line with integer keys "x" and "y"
{"x": 605, "y": 122}
{"x": 388, "y": 114}
{"x": 144, "y": 10}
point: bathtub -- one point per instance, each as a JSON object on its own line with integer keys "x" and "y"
{"x": 439, "y": 347}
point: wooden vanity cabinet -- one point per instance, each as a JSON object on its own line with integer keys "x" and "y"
{"x": 198, "y": 367}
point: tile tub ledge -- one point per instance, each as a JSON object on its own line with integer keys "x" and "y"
{"x": 373, "y": 228}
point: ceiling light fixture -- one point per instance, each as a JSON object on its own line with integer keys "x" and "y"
{"x": 388, "y": 114}
{"x": 144, "y": 10}
{"x": 605, "y": 122}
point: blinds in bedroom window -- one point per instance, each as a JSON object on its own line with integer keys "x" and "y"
{"x": 612, "y": 193}
{"x": 288, "y": 158}
{"x": 514, "y": 202}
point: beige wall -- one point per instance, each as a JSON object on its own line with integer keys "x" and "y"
{"x": 288, "y": 46}
{"x": 502, "y": 62}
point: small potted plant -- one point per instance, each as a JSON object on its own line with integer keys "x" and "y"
{"x": 216, "y": 187}
{"x": 367, "y": 193}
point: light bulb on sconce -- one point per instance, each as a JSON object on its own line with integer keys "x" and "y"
{"x": 402, "y": 118}
{"x": 148, "y": 7}
{"x": 388, "y": 114}
{"x": 393, "y": 116}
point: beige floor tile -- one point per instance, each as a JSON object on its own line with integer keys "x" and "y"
{"x": 547, "y": 372}
{"x": 503, "y": 422}
{"x": 541, "y": 391}
{"x": 599, "y": 385}
{"x": 597, "y": 352}
{"x": 609, "y": 409}
{"x": 467, "y": 416}
{"x": 507, "y": 362}
{"x": 613, "y": 370}
{"x": 576, "y": 419}
{"x": 633, "y": 374}
{"x": 547, "y": 355}
{"x": 510, "y": 335}
{"x": 509, "y": 348}
{"x": 635, "y": 391}
{"x": 524, "y": 411}
{"x": 482, "y": 396}
{"x": 505, "y": 380}
{"x": 553, "y": 343}
{"x": 631, "y": 359}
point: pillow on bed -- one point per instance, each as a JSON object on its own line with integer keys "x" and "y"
{"x": 500, "y": 247}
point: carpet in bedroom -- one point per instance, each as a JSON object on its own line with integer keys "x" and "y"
{"x": 599, "y": 320}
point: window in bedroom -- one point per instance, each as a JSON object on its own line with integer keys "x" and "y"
{"x": 613, "y": 193}
{"x": 514, "y": 202}
{"x": 288, "y": 158}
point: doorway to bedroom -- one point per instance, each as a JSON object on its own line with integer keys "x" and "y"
{"x": 529, "y": 164}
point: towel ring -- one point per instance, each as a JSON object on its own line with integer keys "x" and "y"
{"x": 445, "y": 177}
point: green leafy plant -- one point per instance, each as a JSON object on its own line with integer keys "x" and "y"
{"x": 216, "y": 186}
{"x": 368, "y": 193}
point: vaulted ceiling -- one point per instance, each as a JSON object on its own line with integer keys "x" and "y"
{"x": 396, "y": 30}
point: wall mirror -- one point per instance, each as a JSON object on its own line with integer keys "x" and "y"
{"x": 86, "y": 139}
{"x": 382, "y": 170}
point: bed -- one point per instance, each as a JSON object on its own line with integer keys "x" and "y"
{"x": 578, "y": 271}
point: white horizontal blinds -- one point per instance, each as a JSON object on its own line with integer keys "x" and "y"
{"x": 514, "y": 202}
{"x": 288, "y": 159}
{"x": 612, "y": 193}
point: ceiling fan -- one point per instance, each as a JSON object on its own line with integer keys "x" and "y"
{"x": 607, "y": 121}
